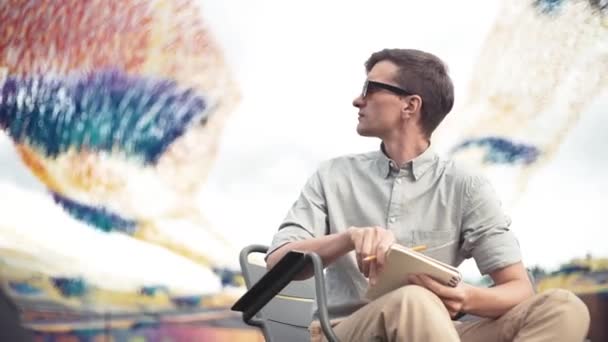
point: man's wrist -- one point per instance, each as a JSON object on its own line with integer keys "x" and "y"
{"x": 468, "y": 302}
{"x": 347, "y": 238}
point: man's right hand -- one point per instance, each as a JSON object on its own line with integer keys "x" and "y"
{"x": 371, "y": 241}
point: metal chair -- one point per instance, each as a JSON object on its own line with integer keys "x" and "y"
{"x": 278, "y": 305}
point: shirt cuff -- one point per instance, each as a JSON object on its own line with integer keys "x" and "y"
{"x": 496, "y": 251}
{"x": 287, "y": 235}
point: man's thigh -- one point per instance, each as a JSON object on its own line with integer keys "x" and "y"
{"x": 411, "y": 313}
{"x": 362, "y": 325}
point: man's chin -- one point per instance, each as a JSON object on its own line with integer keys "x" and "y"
{"x": 364, "y": 132}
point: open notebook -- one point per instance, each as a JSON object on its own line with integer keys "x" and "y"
{"x": 402, "y": 261}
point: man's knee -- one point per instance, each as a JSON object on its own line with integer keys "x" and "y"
{"x": 413, "y": 292}
{"x": 415, "y": 297}
{"x": 566, "y": 309}
{"x": 413, "y": 313}
{"x": 567, "y": 304}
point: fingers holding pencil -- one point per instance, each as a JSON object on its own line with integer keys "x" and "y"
{"x": 370, "y": 241}
{"x": 383, "y": 244}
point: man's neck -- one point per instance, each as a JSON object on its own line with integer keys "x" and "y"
{"x": 402, "y": 151}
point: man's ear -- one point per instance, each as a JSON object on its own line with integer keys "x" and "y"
{"x": 411, "y": 106}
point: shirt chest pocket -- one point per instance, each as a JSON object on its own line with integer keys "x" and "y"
{"x": 440, "y": 244}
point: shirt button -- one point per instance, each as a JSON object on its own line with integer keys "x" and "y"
{"x": 391, "y": 220}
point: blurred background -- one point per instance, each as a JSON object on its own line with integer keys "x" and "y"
{"x": 144, "y": 143}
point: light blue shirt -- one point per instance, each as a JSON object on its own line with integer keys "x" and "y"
{"x": 429, "y": 201}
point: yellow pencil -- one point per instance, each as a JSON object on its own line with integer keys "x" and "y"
{"x": 419, "y": 248}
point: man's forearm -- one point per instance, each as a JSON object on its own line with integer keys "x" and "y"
{"x": 495, "y": 301}
{"x": 329, "y": 248}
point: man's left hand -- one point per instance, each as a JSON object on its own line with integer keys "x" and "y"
{"x": 454, "y": 298}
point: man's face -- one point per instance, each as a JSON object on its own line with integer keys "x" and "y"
{"x": 379, "y": 108}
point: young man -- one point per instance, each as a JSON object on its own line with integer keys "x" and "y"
{"x": 357, "y": 206}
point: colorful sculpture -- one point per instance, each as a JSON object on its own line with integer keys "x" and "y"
{"x": 116, "y": 108}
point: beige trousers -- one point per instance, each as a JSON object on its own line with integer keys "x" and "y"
{"x": 413, "y": 313}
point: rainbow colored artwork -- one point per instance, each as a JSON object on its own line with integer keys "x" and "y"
{"x": 542, "y": 63}
{"x": 116, "y": 108}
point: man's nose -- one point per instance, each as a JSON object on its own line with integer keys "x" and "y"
{"x": 358, "y": 101}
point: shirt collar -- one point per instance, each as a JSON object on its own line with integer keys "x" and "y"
{"x": 417, "y": 166}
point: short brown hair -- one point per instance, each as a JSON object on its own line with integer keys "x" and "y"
{"x": 423, "y": 74}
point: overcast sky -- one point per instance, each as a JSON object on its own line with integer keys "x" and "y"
{"x": 300, "y": 64}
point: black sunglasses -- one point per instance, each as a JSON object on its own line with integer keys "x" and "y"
{"x": 373, "y": 86}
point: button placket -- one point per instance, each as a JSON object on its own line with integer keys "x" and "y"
{"x": 394, "y": 209}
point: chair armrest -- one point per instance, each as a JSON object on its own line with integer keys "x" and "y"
{"x": 275, "y": 280}
{"x": 321, "y": 298}
{"x": 243, "y": 260}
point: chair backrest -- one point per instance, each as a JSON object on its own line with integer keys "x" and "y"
{"x": 287, "y": 316}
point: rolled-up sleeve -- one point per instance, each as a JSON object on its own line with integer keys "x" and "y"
{"x": 485, "y": 231}
{"x": 306, "y": 219}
